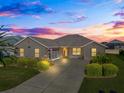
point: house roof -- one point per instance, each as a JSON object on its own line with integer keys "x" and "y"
{"x": 113, "y": 43}
{"x": 116, "y": 41}
{"x": 68, "y": 41}
{"x": 46, "y": 42}
{"x": 72, "y": 40}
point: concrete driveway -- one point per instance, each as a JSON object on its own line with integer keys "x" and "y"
{"x": 65, "y": 76}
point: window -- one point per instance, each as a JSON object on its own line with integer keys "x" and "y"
{"x": 37, "y": 52}
{"x": 76, "y": 51}
{"x": 21, "y": 52}
{"x": 93, "y": 50}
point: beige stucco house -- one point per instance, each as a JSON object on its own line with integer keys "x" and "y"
{"x": 72, "y": 46}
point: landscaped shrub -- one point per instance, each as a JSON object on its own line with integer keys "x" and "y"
{"x": 21, "y": 62}
{"x": 32, "y": 63}
{"x": 121, "y": 52}
{"x": 95, "y": 59}
{"x": 43, "y": 65}
{"x": 12, "y": 60}
{"x": 51, "y": 63}
{"x": 27, "y": 62}
{"x": 105, "y": 59}
{"x": 110, "y": 69}
{"x": 101, "y": 59}
{"x": 93, "y": 69}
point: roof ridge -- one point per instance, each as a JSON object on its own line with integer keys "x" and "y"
{"x": 41, "y": 38}
{"x": 74, "y": 35}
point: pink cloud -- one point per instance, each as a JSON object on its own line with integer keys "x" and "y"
{"x": 49, "y": 36}
{"x": 5, "y": 14}
{"x": 97, "y": 32}
{"x": 99, "y": 38}
{"x": 103, "y": 38}
{"x": 116, "y": 25}
{"x": 121, "y": 38}
{"x": 119, "y": 24}
{"x": 33, "y": 31}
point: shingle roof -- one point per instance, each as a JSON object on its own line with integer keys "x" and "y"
{"x": 47, "y": 42}
{"x": 72, "y": 40}
{"x": 112, "y": 44}
{"x": 116, "y": 41}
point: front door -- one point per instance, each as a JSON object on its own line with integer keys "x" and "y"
{"x": 65, "y": 52}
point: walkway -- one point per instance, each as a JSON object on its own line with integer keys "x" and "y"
{"x": 64, "y": 77}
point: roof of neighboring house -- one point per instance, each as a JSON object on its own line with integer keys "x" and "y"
{"x": 68, "y": 41}
{"x": 72, "y": 40}
{"x": 116, "y": 41}
{"x": 113, "y": 43}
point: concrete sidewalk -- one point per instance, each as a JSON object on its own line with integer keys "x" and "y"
{"x": 64, "y": 77}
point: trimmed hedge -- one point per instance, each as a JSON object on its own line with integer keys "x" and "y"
{"x": 43, "y": 65}
{"x": 110, "y": 69}
{"x": 94, "y": 69}
{"x": 98, "y": 70}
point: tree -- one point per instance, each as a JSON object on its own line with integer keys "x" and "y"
{"x": 3, "y": 46}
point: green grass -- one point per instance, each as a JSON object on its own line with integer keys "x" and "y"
{"x": 12, "y": 76}
{"x": 117, "y": 83}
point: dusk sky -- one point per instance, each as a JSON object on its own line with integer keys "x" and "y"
{"x": 99, "y": 20}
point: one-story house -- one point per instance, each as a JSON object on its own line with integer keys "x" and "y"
{"x": 72, "y": 46}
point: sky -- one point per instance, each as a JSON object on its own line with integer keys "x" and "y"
{"x": 99, "y": 20}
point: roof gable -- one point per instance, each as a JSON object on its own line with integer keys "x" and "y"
{"x": 72, "y": 40}
{"x": 32, "y": 40}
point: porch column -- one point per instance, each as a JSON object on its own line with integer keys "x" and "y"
{"x": 50, "y": 51}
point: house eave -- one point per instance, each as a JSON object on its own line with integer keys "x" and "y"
{"x": 94, "y": 42}
{"x": 32, "y": 40}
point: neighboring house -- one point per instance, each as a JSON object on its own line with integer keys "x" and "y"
{"x": 72, "y": 46}
{"x": 115, "y": 44}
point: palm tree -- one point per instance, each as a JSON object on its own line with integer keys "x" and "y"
{"x": 3, "y": 46}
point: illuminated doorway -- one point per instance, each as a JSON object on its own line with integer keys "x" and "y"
{"x": 65, "y": 52}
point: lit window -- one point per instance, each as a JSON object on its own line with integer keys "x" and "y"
{"x": 76, "y": 51}
{"x": 37, "y": 52}
{"x": 21, "y": 52}
{"x": 93, "y": 50}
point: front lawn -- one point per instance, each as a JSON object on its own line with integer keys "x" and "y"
{"x": 117, "y": 83}
{"x": 13, "y": 76}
